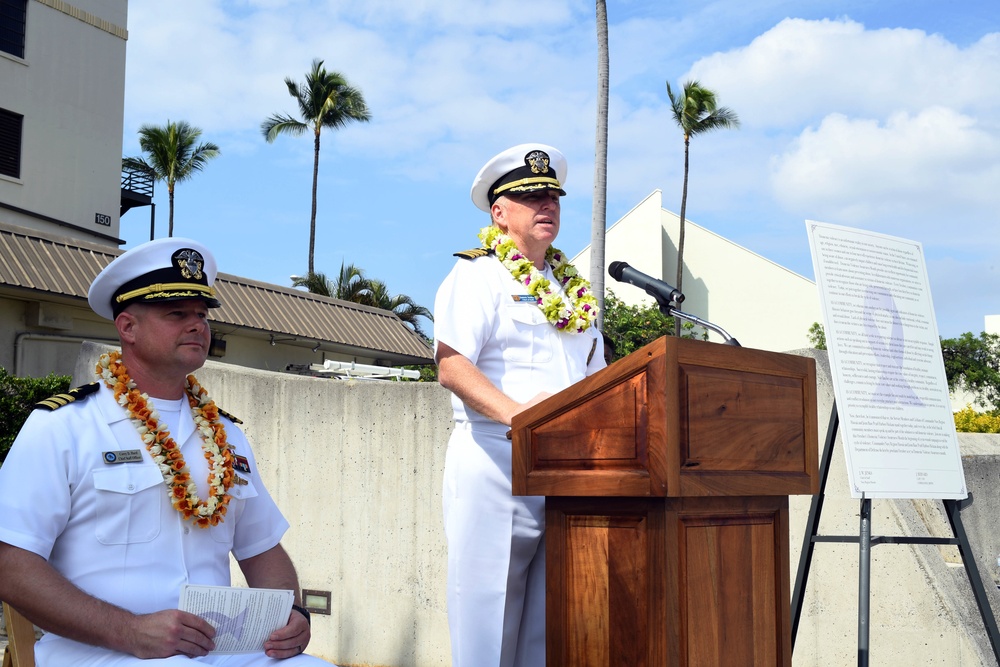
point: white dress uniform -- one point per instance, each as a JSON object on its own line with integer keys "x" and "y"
{"x": 496, "y": 544}
{"x": 110, "y": 527}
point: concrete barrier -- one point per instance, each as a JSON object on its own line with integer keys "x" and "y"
{"x": 357, "y": 465}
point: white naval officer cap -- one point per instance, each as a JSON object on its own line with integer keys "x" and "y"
{"x": 167, "y": 269}
{"x": 518, "y": 170}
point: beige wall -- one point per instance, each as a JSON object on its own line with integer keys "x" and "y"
{"x": 356, "y": 467}
{"x": 41, "y": 337}
{"x": 760, "y": 303}
{"x": 37, "y": 338}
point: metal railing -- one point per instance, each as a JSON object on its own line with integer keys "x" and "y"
{"x": 137, "y": 180}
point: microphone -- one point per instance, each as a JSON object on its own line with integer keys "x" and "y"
{"x": 659, "y": 290}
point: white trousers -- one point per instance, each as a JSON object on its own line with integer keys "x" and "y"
{"x": 52, "y": 651}
{"x": 496, "y": 554}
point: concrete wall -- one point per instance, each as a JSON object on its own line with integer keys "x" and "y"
{"x": 356, "y": 466}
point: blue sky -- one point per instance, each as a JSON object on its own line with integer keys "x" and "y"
{"x": 879, "y": 115}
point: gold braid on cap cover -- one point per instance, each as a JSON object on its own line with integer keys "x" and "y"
{"x": 527, "y": 181}
{"x": 165, "y": 287}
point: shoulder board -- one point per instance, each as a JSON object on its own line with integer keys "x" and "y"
{"x": 230, "y": 417}
{"x": 59, "y": 400}
{"x": 474, "y": 253}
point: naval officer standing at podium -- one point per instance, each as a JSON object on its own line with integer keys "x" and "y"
{"x": 513, "y": 323}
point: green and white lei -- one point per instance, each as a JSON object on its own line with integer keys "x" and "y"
{"x": 574, "y": 317}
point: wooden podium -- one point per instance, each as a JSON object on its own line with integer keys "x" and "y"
{"x": 666, "y": 479}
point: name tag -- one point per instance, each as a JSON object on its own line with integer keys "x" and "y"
{"x": 523, "y": 298}
{"x": 239, "y": 481}
{"x": 123, "y": 456}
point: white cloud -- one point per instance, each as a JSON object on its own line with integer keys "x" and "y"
{"x": 911, "y": 172}
{"x": 802, "y": 70}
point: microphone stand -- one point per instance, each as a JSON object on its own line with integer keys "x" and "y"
{"x": 668, "y": 309}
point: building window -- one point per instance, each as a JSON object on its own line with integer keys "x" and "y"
{"x": 10, "y": 143}
{"x": 13, "y": 15}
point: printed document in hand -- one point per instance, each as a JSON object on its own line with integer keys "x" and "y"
{"x": 243, "y": 618}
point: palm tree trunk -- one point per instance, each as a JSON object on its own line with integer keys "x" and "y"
{"x": 599, "y": 217}
{"x": 312, "y": 217}
{"x": 170, "y": 218}
{"x": 680, "y": 235}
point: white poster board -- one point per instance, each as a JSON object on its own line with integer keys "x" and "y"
{"x": 885, "y": 360}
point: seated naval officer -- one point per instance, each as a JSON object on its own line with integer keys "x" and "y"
{"x": 121, "y": 491}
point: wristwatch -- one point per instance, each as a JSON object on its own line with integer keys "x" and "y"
{"x": 304, "y": 612}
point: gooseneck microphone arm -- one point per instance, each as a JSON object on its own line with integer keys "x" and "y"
{"x": 729, "y": 340}
{"x": 665, "y": 296}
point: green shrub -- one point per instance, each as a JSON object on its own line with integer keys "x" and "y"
{"x": 973, "y": 364}
{"x": 627, "y": 328}
{"x": 17, "y": 396}
{"x": 968, "y": 420}
{"x": 817, "y": 336}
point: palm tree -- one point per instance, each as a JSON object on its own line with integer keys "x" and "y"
{"x": 352, "y": 285}
{"x": 695, "y": 112}
{"x": 403, "y": 306}
{"x": 600, "y": 213}
{"x": 315, "y": 283}
{"x": 173, "y": 156}
{"x": 325, "y": 100}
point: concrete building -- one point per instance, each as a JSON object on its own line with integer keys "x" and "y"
{"x": 62, "y": 73}
{"x": 759, "y": 302}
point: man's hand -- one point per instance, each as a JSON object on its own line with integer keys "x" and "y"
{"x": 170, "y": 632}
{"x": 534, "y": 400}
{"x": 290, "y": 640}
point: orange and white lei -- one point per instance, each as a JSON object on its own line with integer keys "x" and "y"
{"x": 165, "y": 451}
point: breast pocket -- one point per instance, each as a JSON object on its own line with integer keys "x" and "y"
{"x": 522, "y": 334}
{"x": 239, "y": 493}
{"x": 129, "y": 498}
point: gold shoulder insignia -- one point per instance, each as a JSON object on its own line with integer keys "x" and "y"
{"x": 231, "y": 418}
{"x": 474, "y": 253}
{"x": 59, "y": 400}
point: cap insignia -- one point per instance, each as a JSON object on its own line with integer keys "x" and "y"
{"x": 538, "y": 161}
{"x": 189, "y": 262}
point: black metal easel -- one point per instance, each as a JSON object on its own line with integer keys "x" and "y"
{"x": 865, "y": 541}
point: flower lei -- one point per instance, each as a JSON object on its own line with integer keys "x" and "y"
{"x": 165, "y": 451}
{"x": 574, "y": 317}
